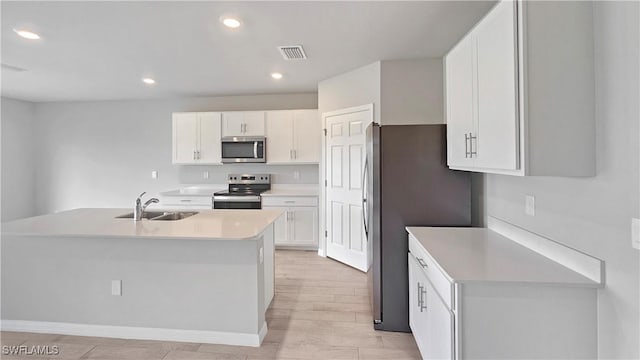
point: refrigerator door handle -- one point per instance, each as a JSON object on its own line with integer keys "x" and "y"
{"x": 365, "y": 214}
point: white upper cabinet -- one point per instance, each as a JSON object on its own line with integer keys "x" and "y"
{"x": 293, "y": 136}
{"x": 243, "y": 123}
{"x": 460, "y": 119}
{"x": 280, "y": 136}
{"x": 520, "y": 92}
{"x": 495, "y": 142}
{"x": 196, "y": 138}
{"x": 307, "y": 136}
{"x": 185, "y": 137}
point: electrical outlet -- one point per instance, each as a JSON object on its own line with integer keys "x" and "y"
{"x": 635, "y": 233}
{"x": 116, "y": 287}
{"x": 296, "y": 175}
{"x": 154, "y": 174}
{"x": 205, "y": 175}
{"x": 530, "y": 205}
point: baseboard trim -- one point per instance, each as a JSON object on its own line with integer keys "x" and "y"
{"x": 138, "y": 333}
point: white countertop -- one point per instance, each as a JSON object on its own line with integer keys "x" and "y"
{"x": 481, "y": 255}
{"x": 291, "y": 192}
{"x": 195, "y": 191}
{"x": 276, "y": 190}
{"x": 206, "y": 225}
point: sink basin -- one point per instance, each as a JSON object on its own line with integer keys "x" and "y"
{"x": 174, "y": 216}
{"x": 160, "y": 215}
{"x": 146, "y": 215}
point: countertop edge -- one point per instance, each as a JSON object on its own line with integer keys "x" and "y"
{"x": 589, "y": 283}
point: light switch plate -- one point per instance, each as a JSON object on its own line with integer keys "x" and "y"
{"x": 205, "y": 175}
{"x": 296, "y": 175}
{"x": 635, "y": 233}
{"x": 530, "y": 205}
{"x": 116, "y": 287}
{"x": 154, "y": 174}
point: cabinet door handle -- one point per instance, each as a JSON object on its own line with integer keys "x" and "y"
{"x": 423, "y": 305}
{"x": 421, "y": 262}
{"x": 466, "y": 146}
{"x": 419, "y": 296}
{"x": 185, "y": 200}
{"x": 295, "y": 154}
{"x": 291, "y": 154}
{"x": 471, "y": 151}
{"x": 198, "y": 154}
{"x": 194, "y": 154}
{"x": 289, "y": 202}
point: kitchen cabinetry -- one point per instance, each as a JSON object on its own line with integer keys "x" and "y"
{"x": 186, "y": 202}
{"x": 475, "y": 294}
{"x": 429, "y": 318}
{"x": 196, "y": 138}
{"x": 293, "y": 137}
{"x": 243, "y": 123}
{"x": 520, "y": 92}
{"x": 298, "y": 227}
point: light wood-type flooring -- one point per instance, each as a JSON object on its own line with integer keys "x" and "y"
{"x": 320, "y": 311}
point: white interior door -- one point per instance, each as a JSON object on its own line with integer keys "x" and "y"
{"x": 345, "y": 157}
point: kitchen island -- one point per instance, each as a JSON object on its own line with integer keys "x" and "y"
{"x": 207, "y": 278}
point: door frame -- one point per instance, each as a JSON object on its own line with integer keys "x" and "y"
{"x": 322, "y": 243}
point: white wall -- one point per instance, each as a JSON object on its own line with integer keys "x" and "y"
{"x": 594, "y": 214}
{"x": 411, "y": 92}
{"x": 101, "y": 154}
{"x": 403, "y": 92}
{"x": 18, "y": 149}
{"x": 357, "y": 87}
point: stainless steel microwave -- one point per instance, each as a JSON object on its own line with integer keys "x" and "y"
{"x": 237, "y": 149}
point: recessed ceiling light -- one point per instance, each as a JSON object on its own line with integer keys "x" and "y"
{"x": 276, "y": 75}
{"x": 27, "y": 34}
{"x": 231, "y": 22}
{"x": 149, "y": 81}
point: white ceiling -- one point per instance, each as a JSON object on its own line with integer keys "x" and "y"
{"x": 101, "y": 50}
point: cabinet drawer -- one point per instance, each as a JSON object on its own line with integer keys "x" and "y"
{"x": 439, "y": 281}
{"x": 187, "y": 201}
{"x": 289, "y": 201}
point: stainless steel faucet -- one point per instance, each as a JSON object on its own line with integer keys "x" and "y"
{"x": 138, "y": 212}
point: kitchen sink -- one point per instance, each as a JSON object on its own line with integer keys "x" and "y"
{"x": 173, "y": 216}
{"x": 145, "y": 215}
{"x": 160, "y": 215}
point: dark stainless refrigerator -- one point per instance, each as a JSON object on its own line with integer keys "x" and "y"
{"x": 408, "y": 183}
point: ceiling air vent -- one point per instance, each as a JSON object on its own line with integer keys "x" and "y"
{"x": 294, "y": 52}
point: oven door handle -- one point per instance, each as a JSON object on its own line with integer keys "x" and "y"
{"x": 236, "y": 198}
{"x": 255, "y": 149}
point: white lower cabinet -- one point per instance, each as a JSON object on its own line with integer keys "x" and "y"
{"x": 430, "y": 319}
{"x": 493, "y": 319}
{"x": 298, "y": 226}
{"x": 186, "y": 203}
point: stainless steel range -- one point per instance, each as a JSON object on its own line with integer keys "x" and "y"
{"x": 243, "y": 192}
